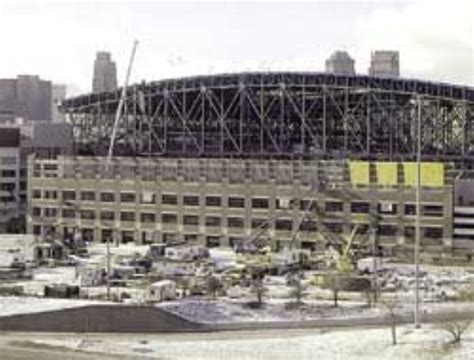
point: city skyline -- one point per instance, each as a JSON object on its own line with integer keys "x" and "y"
{"x": 180, "y": 39}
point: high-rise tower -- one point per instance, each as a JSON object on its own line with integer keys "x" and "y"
{"x": 385, "y": 63}
{"x": 340, "y": 63}
{"x": 105, "y": 73}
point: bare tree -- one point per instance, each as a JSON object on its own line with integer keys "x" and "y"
{"x": 259, "y": 289}
{"x": 213, "y": 285}
{"x": 456, "y": 329}
{"x": 297, "y": 290}
{"x": 334, "y": 283}
{"x": 390, "y": 308}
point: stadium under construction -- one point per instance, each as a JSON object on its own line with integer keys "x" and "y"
{"x": 300, "y": 158}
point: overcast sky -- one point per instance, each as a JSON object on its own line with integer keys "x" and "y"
{"x": 58, "y": 41}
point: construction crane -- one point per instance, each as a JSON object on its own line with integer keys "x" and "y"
{"x": 118, "y": 115}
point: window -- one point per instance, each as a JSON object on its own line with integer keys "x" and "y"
{"x": 7, "y": 186}
{"x": 168, "y": 218}
{"x": 284, "y": 224}
{"x": 8, "y": 160}
{"x": 213, "y": 221}
{"x": 362, "y": 228}
{"x": 190, "y": 220}
{"x": 213, "y": 241}
{"x": 307, "y": 204}
{"x": 148, "y": 237}
{"x": 235, "y": 241}
{"x": 336, "y": 227}
{"x": 107, "y": 235}
{"x": 127, "y": 216}
{"x": 258, "y": 223}
{"x": 37, "y": 229}
{"x": 107, "y": 215}
{"x": 50, "y": 194}
{"x": 213, "y": 201}
{"x": 168, "y": 199}
{"x": 87, "y": 214}
{"x": 50, "y": 167}
{"x": 260, "y": 203}
{"x": 69, "y": 213}
{"x": 88, "y": 196}
{"x": 50, "y": 212}
{"x": 283, "y": 203}
{"x": 69, "y": 195}
{"x": 433, "y": 232}
{"x": 107, "y": 197}
{"x": 308, "y": 225}
{"x": 432, "y": 210}
{"x": 171, "y": 238}
{"x": 36, "y": 211}
{"x": 147, "y": 218}
{"x": 387, "y": 208}
{"x": 360, "y": 207}
{"x": 387, "y": 230}
{"x": 410, "y": 209}
{"x": 189, "y": 200}
{"x": 334, "y": 206}
{"x": 191, "y": 237}
{"x": 127, "y": 197}
{"x": 8, "y": 173}
{"x": 36, "y": 194}
{"x": 236, "y": 202}
{"x": 235, "y": 222}
{"x": 147, "y": 197}
{"x": 409, "y": 232}
{"x": 127, "y": 237}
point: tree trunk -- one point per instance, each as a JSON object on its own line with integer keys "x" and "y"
{"x": 394, "y": 333}
{"x": 335, "y": 298}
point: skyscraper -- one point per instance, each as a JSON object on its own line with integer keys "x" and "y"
{"x": 385, "y": 63}
{"x": 105, "y": 73}
{"x": 340, "y": 63}
{"x": 27, "y": 97}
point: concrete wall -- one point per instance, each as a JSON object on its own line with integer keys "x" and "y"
{"x": 100, "y": 318}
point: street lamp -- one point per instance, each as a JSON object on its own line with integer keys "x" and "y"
{"x": 418, "y": 219}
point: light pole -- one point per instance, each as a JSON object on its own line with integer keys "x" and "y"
{"x": 418, "y": 218}
{"x": 108, "y": 268}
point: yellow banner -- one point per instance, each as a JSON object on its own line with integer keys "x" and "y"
{"x": 432, "y": 174}
{"x": 359, "y": 172}
{"x": 387, "y": 173}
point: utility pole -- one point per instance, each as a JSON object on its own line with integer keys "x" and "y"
{"x": 108, "y": 268}
{"x": 418, "y": 218}
{"x": 374, "y": 261}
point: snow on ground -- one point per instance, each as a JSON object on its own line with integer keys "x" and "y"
{"x": 225, "y": 310}
{"x": 235, "y": 311}
{"x": 427, "y": 343}
{"x": 13, "y": 305}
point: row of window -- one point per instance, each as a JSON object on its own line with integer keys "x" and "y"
{"x": 237, "y": 202}
{"x": 148, "y": 197}
{"x": 237, "y": 222}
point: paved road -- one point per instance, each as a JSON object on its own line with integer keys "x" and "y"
{"x": 15, "y": 347}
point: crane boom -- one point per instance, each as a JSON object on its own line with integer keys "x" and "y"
{"x": 118, "y": 114}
